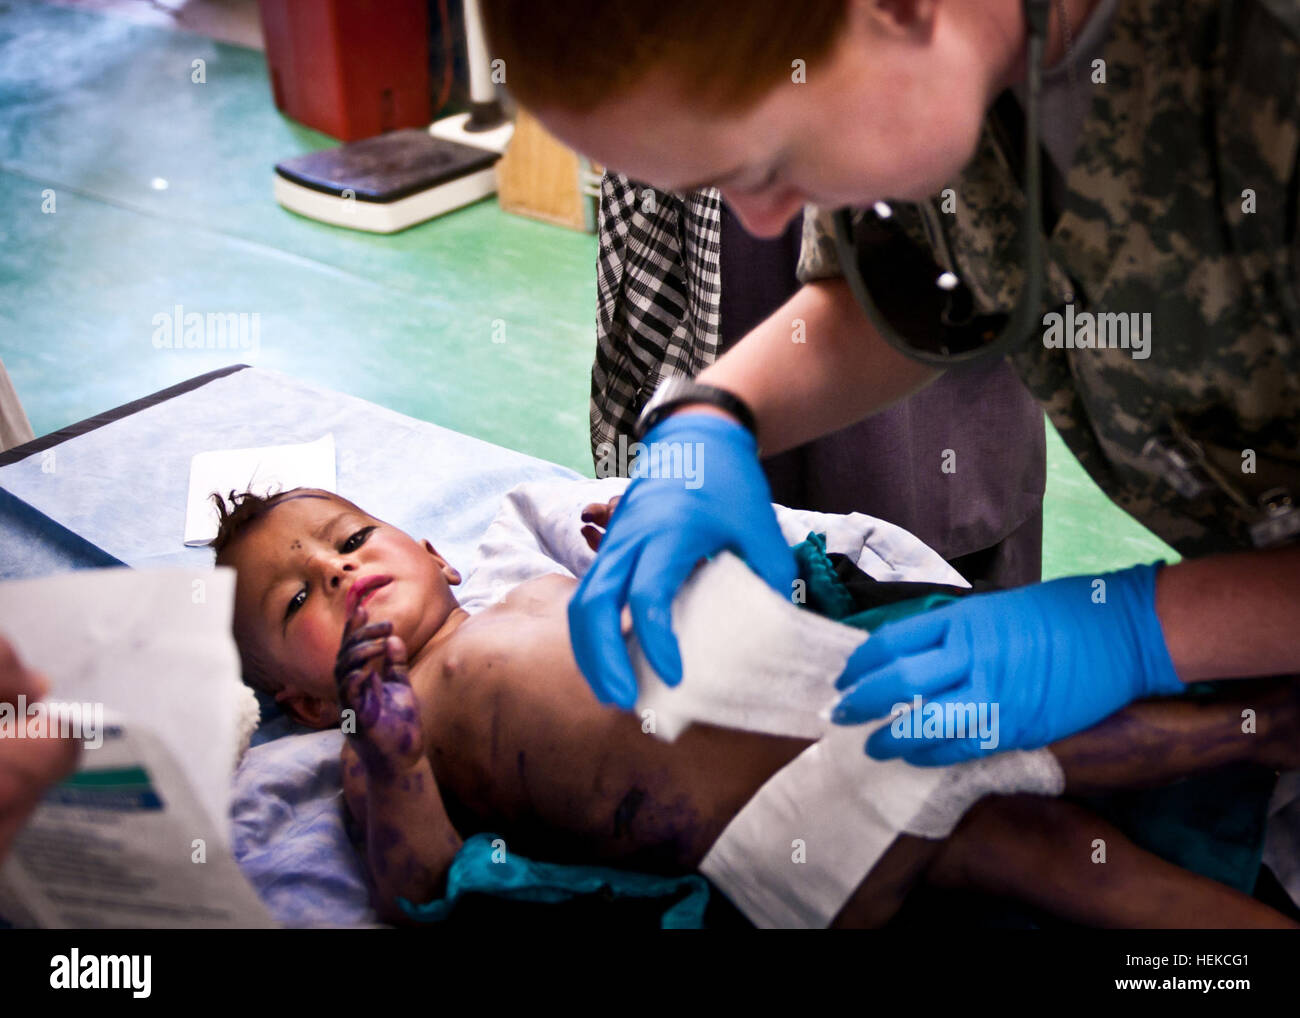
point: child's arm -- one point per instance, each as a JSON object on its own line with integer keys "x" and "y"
{"x": 408, "y": 841}
{"x": 387, "y": 780}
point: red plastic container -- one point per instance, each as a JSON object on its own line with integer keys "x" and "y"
{"x": 349, "y": 68}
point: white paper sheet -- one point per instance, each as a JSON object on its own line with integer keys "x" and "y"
{"x": 119, "y": 844}
{"x": 261, "y": 470}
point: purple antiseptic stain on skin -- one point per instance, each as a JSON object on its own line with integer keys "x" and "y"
{"x": 626, "y": 810}
{"x": 384, "y": 840}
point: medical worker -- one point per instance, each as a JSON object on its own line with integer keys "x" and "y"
{"x": 1105, "y": 192}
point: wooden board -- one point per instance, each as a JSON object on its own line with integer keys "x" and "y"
{"x": 541, "y": 178}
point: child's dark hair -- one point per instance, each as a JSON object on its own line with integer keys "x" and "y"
{"x": 243, "y": 508}
{"x": 234, "y": 513}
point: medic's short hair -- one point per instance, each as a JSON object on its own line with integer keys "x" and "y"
{"x": 575, "y": 54}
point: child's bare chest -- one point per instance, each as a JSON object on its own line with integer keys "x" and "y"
{"x": 528, "y": 749}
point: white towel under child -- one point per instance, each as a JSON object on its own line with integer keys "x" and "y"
{"x": 798, "y": 850}
{"x": 262, "y": 471}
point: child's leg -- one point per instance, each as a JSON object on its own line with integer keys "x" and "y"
{"x": 882, "y": 893}
{"x": 1042, "y": 851}
{"x": 1158, "y": 741}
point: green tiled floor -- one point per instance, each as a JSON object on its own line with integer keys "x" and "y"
{"x": 98, "y": 109}
{"x": 1083, "y": 531}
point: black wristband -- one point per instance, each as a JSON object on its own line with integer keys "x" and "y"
{"x": 677, "y": 392}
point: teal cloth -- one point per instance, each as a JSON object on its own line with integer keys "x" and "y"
{"x": 477, "y": 870}
{"x": 874, "y": 618}
{"x": 826, "y": 595}
{"x": 1211, "y": 824}
{"x": 822, "y": 590}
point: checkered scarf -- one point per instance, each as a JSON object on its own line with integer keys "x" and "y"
{"x": 658, "y": 286}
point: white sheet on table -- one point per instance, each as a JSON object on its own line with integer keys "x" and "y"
{"x": 123, "y": 486}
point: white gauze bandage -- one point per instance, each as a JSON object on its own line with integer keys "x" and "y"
{"x": 802, "y": 845}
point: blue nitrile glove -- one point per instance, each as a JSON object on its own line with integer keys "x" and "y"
{"x": 660, "y": 530}
{"x": 1053, "y": 657}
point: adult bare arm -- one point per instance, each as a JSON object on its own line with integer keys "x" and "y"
{"x": 814, "y": 366}
{"x": 1232, "y": 616}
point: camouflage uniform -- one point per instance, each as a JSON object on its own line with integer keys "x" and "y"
{"x": 1200, "y": 109}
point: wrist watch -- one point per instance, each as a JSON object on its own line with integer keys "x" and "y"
{"x": 678, "y": 390}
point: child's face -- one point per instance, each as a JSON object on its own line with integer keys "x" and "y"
{"x": 295, "y": 566}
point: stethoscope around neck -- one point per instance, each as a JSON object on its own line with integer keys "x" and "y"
{"x": 922, "y": 309}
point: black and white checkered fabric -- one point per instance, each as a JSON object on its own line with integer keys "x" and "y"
{"x": 658, "y": 288}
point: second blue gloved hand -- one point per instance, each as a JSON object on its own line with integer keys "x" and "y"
{"x": 1054, "y": 658}
{"x": 661, "y": 529}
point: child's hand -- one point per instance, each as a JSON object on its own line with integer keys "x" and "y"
{"x": 373, "y": 684}
{"x": 597, "y": 515}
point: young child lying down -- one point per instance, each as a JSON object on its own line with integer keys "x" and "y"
{"x": 466, "y": 723}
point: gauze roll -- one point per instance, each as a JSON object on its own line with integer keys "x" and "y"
{"x": 750, "y": 659}
{"x": 797, "y": 851}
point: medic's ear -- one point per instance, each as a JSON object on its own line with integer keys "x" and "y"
{"x": 899, "y": 18}
{"x": 452, "y": 575}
